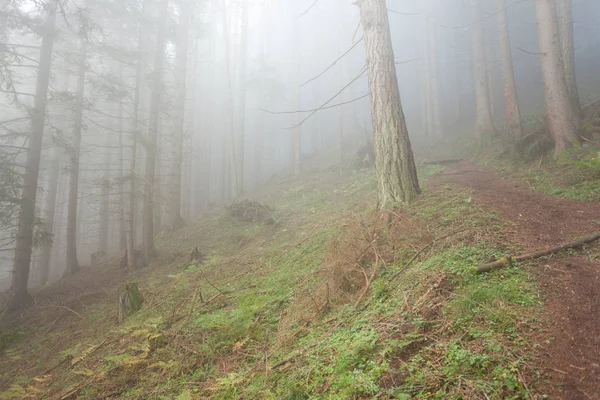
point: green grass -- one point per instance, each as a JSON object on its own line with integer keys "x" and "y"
{"x": 438, "y": 331}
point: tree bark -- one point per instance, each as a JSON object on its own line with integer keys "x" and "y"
{"x": 49, "y": 215}
{"x": 563, "y": 120}
{"x": 19, "y": 295}
{"x": 564, "y": 9}
{"x": 394, "y": 161}
{"x": 513, "y": 113}
{"x": 175, "y": 219}
{"x": 149, "y": 190}
{"x": 72, "y": 261}
{"x": 121, "y": 211}
{"x": 484, "y": 124}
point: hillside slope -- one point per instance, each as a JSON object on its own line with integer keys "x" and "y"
{"x": 329, "y": 301}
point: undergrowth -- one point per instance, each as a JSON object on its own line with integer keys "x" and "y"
{"x": 329, "y": 302}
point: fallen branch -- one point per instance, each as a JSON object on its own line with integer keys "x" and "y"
{"x": 507, "y": 261}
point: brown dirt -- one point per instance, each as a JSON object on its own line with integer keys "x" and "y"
{"x": 569, "y": 361}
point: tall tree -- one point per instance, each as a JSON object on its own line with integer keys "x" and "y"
{"x": 151, "y": 145}
{"x": 564, "y": 10}
{"x": 104, "y": 215}
{"x": 242, "y": 92}
{"x": 19, "y": 295}
{"x": 50, "y": 208}
{"x": 394, "y": 161}
{"x": 513, "y": 114}
{"x": 484, "y": 123}
{"x": 175, "y": 218}
{"x": 434, "y": 124}
{"x": 563, "y": 121}
{"x": 75, "y": 153}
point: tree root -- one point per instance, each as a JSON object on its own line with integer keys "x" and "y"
{"x": 507, "y": 261}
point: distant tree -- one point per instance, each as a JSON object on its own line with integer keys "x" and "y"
{"x": 484, "y": 123}
{"x": 563, "y": 121}
{"x": 151, "y": 144}
{"x": 19, "y": 295}
{"x": 430, "y": 75}
{"x": 513, "y": 114}
{"x": 242, "y": 92}
{"x": 181, "y": 60}
{"x": 394, "y": 161}
{"x": 49, "y": 214}
{"x": 75, "y": 150}
{"x": 564, "y": 10}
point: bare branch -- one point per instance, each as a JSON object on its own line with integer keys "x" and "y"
{"x": 316, "y": 109}
{"x": 332, "y": 64}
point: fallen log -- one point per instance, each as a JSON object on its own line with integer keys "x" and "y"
{"x": 507, "y": 261}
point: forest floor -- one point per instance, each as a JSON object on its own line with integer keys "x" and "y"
{"x": 330, "y": 302}
{"x": 570, "y": 283}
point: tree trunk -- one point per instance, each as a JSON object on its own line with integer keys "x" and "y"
{"x": 297, "y": 139}
{"x": 175, "y": 219}
{"x": 563, "y": 120}
{"x": 513, "y": 114}
{"x": 394, "y": 161}
{"x": 564, "y": 9}
{"x": 149, "y": 249}
{"x": 19, "y": 295}
{"x": 49, "y": 215}
{"x": 241, "y": 114}
{"x": 121, "y": 211}
{"x": 105, "y": 201}
{"x": 72, "y": 261}
{"x": 430, "y": 48}
{"x": 230, "y": 145}
{"x": 484, "y": 124}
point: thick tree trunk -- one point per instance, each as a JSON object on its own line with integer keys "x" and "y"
{"x": 19, "y": 295}
{"x": 564, "y": 9}
{"x": 513, "y": 114}
{"x": 175, "y": 219}
{"x": 149, "y": 190}
{"x": 563, "y": 120}
{"x": 49, "y": 212}
{"x": 484, "y": 124}
{"x": 394, "y": 161}
{"x": 72, "y": 261}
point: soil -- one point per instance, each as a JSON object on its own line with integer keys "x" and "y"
{"x": 570, "y": 344}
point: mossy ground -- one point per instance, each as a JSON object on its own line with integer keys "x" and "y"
{"x": 261, "y": 320}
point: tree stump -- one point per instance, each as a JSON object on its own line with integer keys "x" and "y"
{"x": 130, "y": 301}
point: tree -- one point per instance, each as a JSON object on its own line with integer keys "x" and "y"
{"x": 564, "y": 10}
{"x": 563, "y": 121}
{"x": 49, "y": 212}
{"x": 19, "y": 295}
{"x": 75, "y": 153}
{"x": 430, "y": 75}
{"x": 484, "y": 123}
{"x": 394, "y": 161}
{"x": 157, "y": 88}
{"x": 241, "y": 113}
{"x": 513, "y": 114}
{"x": 180, "y": 76}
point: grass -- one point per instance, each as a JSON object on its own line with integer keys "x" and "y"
{"x": 263, "y": 319}
{"x": 574, "y": 175}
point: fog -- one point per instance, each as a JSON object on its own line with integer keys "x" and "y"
{"x": 263, "y": 89}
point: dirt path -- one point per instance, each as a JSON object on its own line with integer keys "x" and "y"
{"x": 571, "y": 284}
